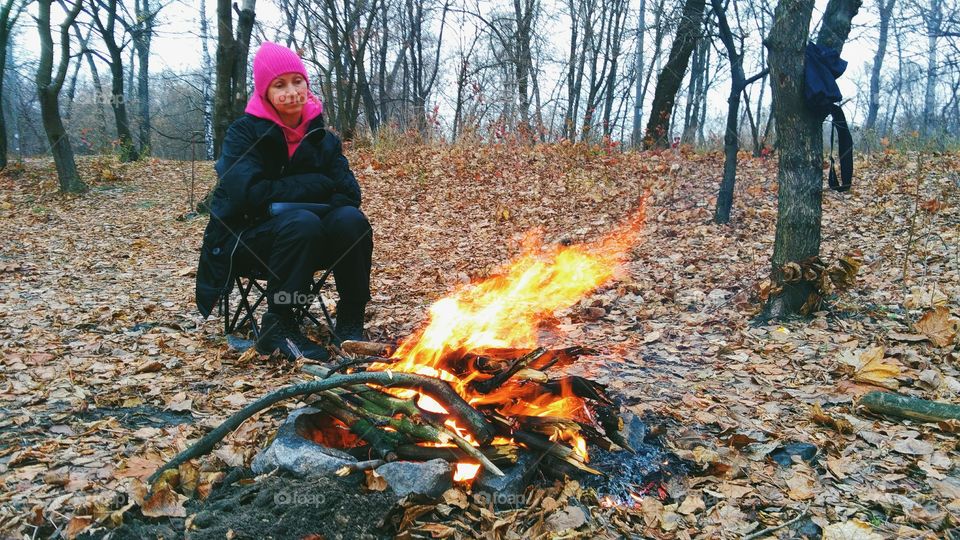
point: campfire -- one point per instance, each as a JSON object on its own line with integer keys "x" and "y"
{"x": 483, "y": 342}
{"x": 473, "y": 390}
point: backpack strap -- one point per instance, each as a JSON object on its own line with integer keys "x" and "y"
{"x": 839, "y": 125}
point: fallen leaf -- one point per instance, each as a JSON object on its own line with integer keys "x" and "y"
{"x": 180, "y": 402}
{"x": 164, "y": 503}
{"x": 842, "y": 425}
{"x": 374, "y": 481}
{"x": 939, "y": 327}
{"x": 800, "y": 487}
{"x": 151, "y": 366}
{"x": 913, "y": 338}
{"x": 236, "y": 399}
{"x": 875, "y": 369}
{"x": 913, "y": 447}
{"x": 570, "y": 517}
{"x": 77, "y": 525}
{"x": 692, "y": 504}
{"x": 850, "y": 530}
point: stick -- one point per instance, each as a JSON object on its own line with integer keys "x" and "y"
{"x": 505, "y": 454}
{"x": 367, "y": 348}
{"x": 555, "y": 449}
{"x": 384, "y": 443}
{"x": 423, "y": 432}
{"x": 458, "y": 408}
{"x": 360, "y": 466}
{"x": 350, "y": 362}
{"x": 497, "y": 380}
{"x": 910, "y": 408}
{"x": 769, "y": 530}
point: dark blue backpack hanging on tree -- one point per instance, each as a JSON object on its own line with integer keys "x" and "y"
{"x": 822, "y": 67}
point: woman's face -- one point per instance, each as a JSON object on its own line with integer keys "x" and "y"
{"x": 288, "y": 93}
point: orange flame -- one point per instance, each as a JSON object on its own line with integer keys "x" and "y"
{"x": 505, "y": 311}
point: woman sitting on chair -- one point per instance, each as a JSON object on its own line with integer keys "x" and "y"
{"x": 279, "y": 152}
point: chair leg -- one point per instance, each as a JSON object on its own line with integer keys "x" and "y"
{"x": 315, "y": 293}
{"x": 245, "y": 308}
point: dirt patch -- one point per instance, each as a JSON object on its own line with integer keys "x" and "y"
{"x": 273, "y": 507}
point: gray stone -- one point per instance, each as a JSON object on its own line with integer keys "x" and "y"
{"x": 291, "y": 452}
{"x": 506, "y": 490}
{"x": 430, "y": 478}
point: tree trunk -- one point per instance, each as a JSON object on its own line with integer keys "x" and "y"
{"x": 885, "y": 12}
{"x": 143, "y": 34}
{"x": 118, "y": 100}
{"x": 207, "y": 94}
{"x": 231, "y": 91}
{"x": 934, "y": 18}
{"x": 524, "y": 11}
{"x": 671, "y": 77}
{"x": 731, "y": 141}
{"x": 9, "y": 12}
{"x": 574, "y": 72}
{"x": 98, "y": 105}
{"x": 800, "y": 143}
{"x": 638, "y": 65}
{"x": 696, "y": 91}
{"x": 48, "y": 92}
{"x": 72, "y": 85}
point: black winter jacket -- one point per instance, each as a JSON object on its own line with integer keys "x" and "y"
{"x": 253, "y": 172}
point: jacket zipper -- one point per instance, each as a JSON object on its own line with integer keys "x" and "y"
{"x": 290, "y": 159}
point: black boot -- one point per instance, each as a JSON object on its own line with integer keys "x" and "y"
{"x": 277, "y": 329}
{"x": 349, "y": 322}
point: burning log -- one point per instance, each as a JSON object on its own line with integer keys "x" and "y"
{"x": 500, "y": 455}
{"x": 458, "y": 408}
{"x": 430, "y": 432}
{"x": 485, "y": 387}
{"x": 383, "y": 443}
{"x": 579, "y": 387}
{"x": 554, "y": 449}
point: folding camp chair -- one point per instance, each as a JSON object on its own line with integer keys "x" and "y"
{"x": 251, "y": 283}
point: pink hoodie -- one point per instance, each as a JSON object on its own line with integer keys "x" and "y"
{"x": 271, "y": 61}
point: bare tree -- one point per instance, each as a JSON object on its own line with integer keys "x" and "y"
{"x": 49, "y": 85}
{"x": 933, "y": 20}
{"x": 731, "y": 138}
{"x": 696, "y": 90}
{"x": 118, "y": 99}
{"x": 10, "y": 10}
{"x": 232, "y": 50}
{"x": 671, "y": 77}
{"x": 800, "y": 145}
{"x": 141, "y": 30}
{"x": 338, "y": 35}
{"x": 638, "y": 66}
{"x": 885, "y": 12}
{"x": 207, "y": 83}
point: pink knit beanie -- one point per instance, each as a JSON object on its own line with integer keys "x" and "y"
{"x": 273, "y": 60}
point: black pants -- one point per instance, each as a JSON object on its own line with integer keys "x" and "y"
{"x": 294, "y": 245}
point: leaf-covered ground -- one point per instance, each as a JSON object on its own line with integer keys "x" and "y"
{"x": 107, "y": 370}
